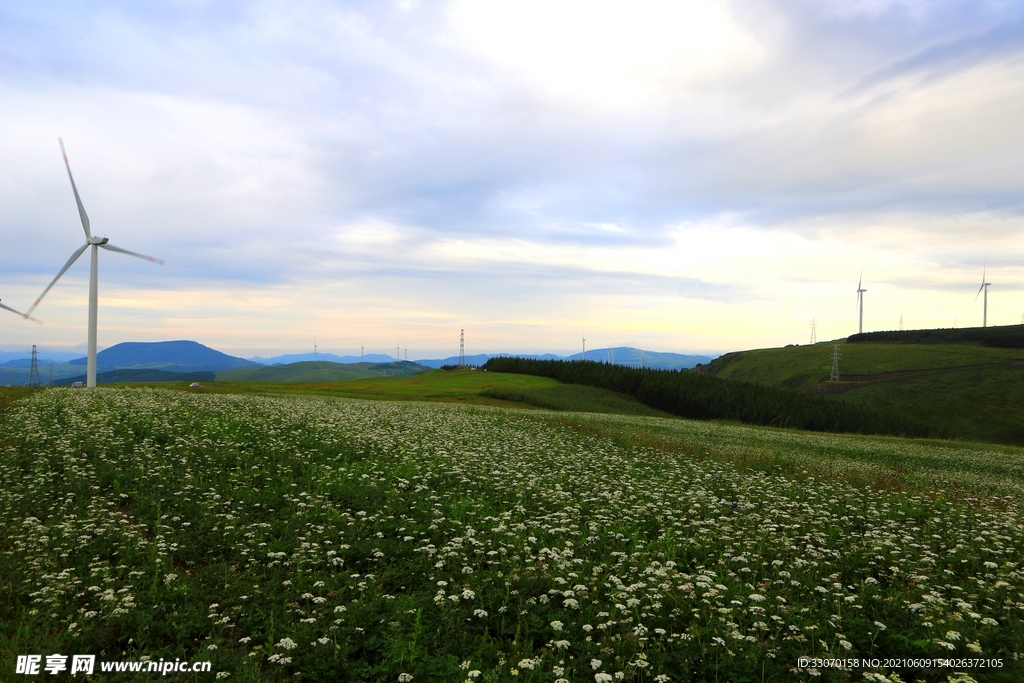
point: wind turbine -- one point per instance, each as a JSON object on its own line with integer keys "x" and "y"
{"x": 584, "y": 346}
{"x": 860, "y": 303}
{"x": 984, "y": 287}
{"x": 95, "y": 243}
{"x": 23, "y": 315}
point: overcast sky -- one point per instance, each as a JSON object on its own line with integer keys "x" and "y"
{"x": 679, "y": 176}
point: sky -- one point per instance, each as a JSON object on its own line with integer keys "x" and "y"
{"x": 698, "y": 177}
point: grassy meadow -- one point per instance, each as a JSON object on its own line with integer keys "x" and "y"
{"x": 325, "y": 539}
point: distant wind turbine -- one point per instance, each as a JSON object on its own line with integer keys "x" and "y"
{"x": 23, "y": 315}
{"x": 584, "y": 346}
{"x": 95, "y": 243}
{"x": 860, "y": 303}
{"x": 984, "y": 288}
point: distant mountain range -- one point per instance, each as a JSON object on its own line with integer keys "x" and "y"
{"x": 329, "y": 357}
{"x": 620, "y": 355}
{"x": 178, "y": 359}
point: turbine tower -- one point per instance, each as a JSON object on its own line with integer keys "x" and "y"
{"x": 984, "y": 288}
{"x": 95, "y": 243}
{"x": 584, "y": 346}
{"x": 860, "y": 304}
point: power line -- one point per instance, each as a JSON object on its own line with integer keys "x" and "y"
{"x": 834, "y": 377}
{"x": 33, "y": 373}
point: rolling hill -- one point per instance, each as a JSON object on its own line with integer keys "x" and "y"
{"x": 958, "y": 383}
{"x": 319, "y": 372}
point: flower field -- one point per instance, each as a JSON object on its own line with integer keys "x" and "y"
{"x": 328, "y": 540}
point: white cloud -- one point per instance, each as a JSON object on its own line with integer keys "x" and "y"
{"x": 689, "y": 175}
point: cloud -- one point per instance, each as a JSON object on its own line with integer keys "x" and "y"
{"x": 535, "y": 164}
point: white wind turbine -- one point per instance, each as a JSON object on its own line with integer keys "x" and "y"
{"x": 23, "y": 315}
{"x": 95, "y": 243}
{"x": 860, "y": 303}
{"x": 984, "y": 287}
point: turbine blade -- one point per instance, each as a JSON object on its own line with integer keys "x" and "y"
{"x": 74, "y": 257}
{"x": 111, "y": 247}
{"x": 78, "y": 200}
{"x": 979, "y": 290}
{"x": 26, "y": 317}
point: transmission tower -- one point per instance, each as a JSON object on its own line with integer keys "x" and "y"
{"x": 814, "y": 330}
{"x": 33, "y": 373}
{"x": 834, "y": 377}
{"x": 462, "y": 348}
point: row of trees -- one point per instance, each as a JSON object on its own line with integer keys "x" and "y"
{"x": 703, "y": 397}
{"x": 1003, "y": 336}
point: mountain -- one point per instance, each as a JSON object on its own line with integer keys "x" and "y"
{"x": 330, "y": 357}
{"x": 170, "y": 356}
{"x": 621, "y": 355}
{"x": 25, "y": 363}
{"x": 26, "y": 355}
{"x": 475, "y": 359}
{"x": 139, "y": 375}
{"x": 635, "y": 358}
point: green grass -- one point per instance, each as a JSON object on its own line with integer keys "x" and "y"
{"x": 454, "y": 386}
{"x": 969, "y": 391}
{"x": 955, "y": 469}
{"x": 318, "y": 372}
{"x": 800, "y": 367}
{"x": 573, "y": 397}
{"x": 319, "y": 539}
{"x": 463, "y": 386}
{"x": 980, "y": 403}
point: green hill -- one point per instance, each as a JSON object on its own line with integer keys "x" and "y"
{"x": 321, "y": 371}
{"x": 969, "y": 389}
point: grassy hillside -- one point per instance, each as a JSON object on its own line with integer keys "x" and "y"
{"x": 973, "y": 391}
{"x": 284, "y": 539}
{"x": 321, "y": 371}
{"x": 980, "y": 403}
{"x": 572, "y": 397}
{"x": 801, "y": 367}
{"x": 702, "y": 397}
{"x": 465, "y": 386}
